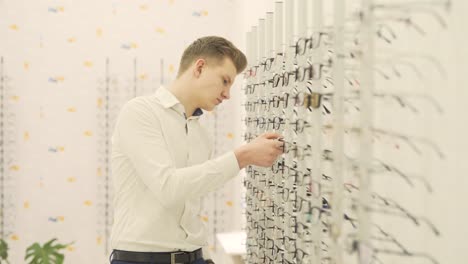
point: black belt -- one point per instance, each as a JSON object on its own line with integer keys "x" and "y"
{"x": 179, "y": 257}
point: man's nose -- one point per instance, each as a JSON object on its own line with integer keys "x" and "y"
{"x": 226, "y": 94}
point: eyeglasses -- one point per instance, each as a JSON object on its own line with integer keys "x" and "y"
{"x": 313, "y": 71}
{"x": 302, "y": 256}
{"x": 299, "y": 152}
{"x": 408, "y": 178}
{"x": 389, "y": 206}
{"x": 252, "y": 72}
{"x": 250, "y": 88}
{"x": 409, "y": 140}
{"x": 262, "y": 122}
{"x": 308, "y": 100}
{"x": 249, "y": 136}
{"x": 405, "y": 9}
{"x": 314, "y": 42}
{"x": 379, "y": 166}
{"x": 275, "y": 250}
{"x": 251, "y": 106}
{"x": 376, "y": 250}
{"x": 312, "y": 100}
{"x": 289, "y": 243}
{"x": 267, "y": 64}
{"x": 288, "y": 194}
{"x": 281, "y": 77}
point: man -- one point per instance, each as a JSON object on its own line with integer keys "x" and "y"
{"x": 161, "y": 159}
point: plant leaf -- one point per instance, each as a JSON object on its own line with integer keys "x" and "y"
{"x": 3, "y": 250}
{"x": 49, "y": 253}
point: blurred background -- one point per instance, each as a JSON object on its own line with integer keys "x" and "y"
{"x": 68, "y": 66}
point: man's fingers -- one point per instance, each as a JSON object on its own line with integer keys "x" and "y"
{"x": 279, "y": 152}
{"x": 271, "y": 135}
{"x": 280, "y": 145}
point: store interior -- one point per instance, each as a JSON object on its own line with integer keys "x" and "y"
{"x": 374, "y": 166}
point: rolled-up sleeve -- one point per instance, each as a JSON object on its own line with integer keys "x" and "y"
{"x": 140, "y": 138}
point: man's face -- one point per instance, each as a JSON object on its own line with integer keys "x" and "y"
{"x": 213, "y": 83}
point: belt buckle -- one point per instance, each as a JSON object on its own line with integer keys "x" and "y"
{"x": 173, "y": 255}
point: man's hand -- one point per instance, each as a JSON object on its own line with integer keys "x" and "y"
{"x": 262, "y": 151}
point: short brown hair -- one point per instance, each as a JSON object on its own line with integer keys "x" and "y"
{"x": 212, "y": 47}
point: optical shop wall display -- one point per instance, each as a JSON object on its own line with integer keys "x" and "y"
{"x": 8, "y": 154}
{"x": 354, "y": 104}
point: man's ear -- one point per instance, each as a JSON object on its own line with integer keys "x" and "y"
{"x": 199, "y": 67}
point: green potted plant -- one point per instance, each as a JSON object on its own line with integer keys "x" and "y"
{"x": 49, "y": 253}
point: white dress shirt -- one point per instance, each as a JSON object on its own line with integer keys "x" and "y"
{"x": 161, "y": 167}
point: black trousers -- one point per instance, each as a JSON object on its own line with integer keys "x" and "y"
{"x": 200, "y": 261}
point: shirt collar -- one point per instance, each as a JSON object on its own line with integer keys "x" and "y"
{"x": 168, "y": 100}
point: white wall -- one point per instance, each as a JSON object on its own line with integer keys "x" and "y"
{"x": 55, "y": 53}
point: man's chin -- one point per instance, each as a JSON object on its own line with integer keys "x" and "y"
{"x": 208, "y": 108}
